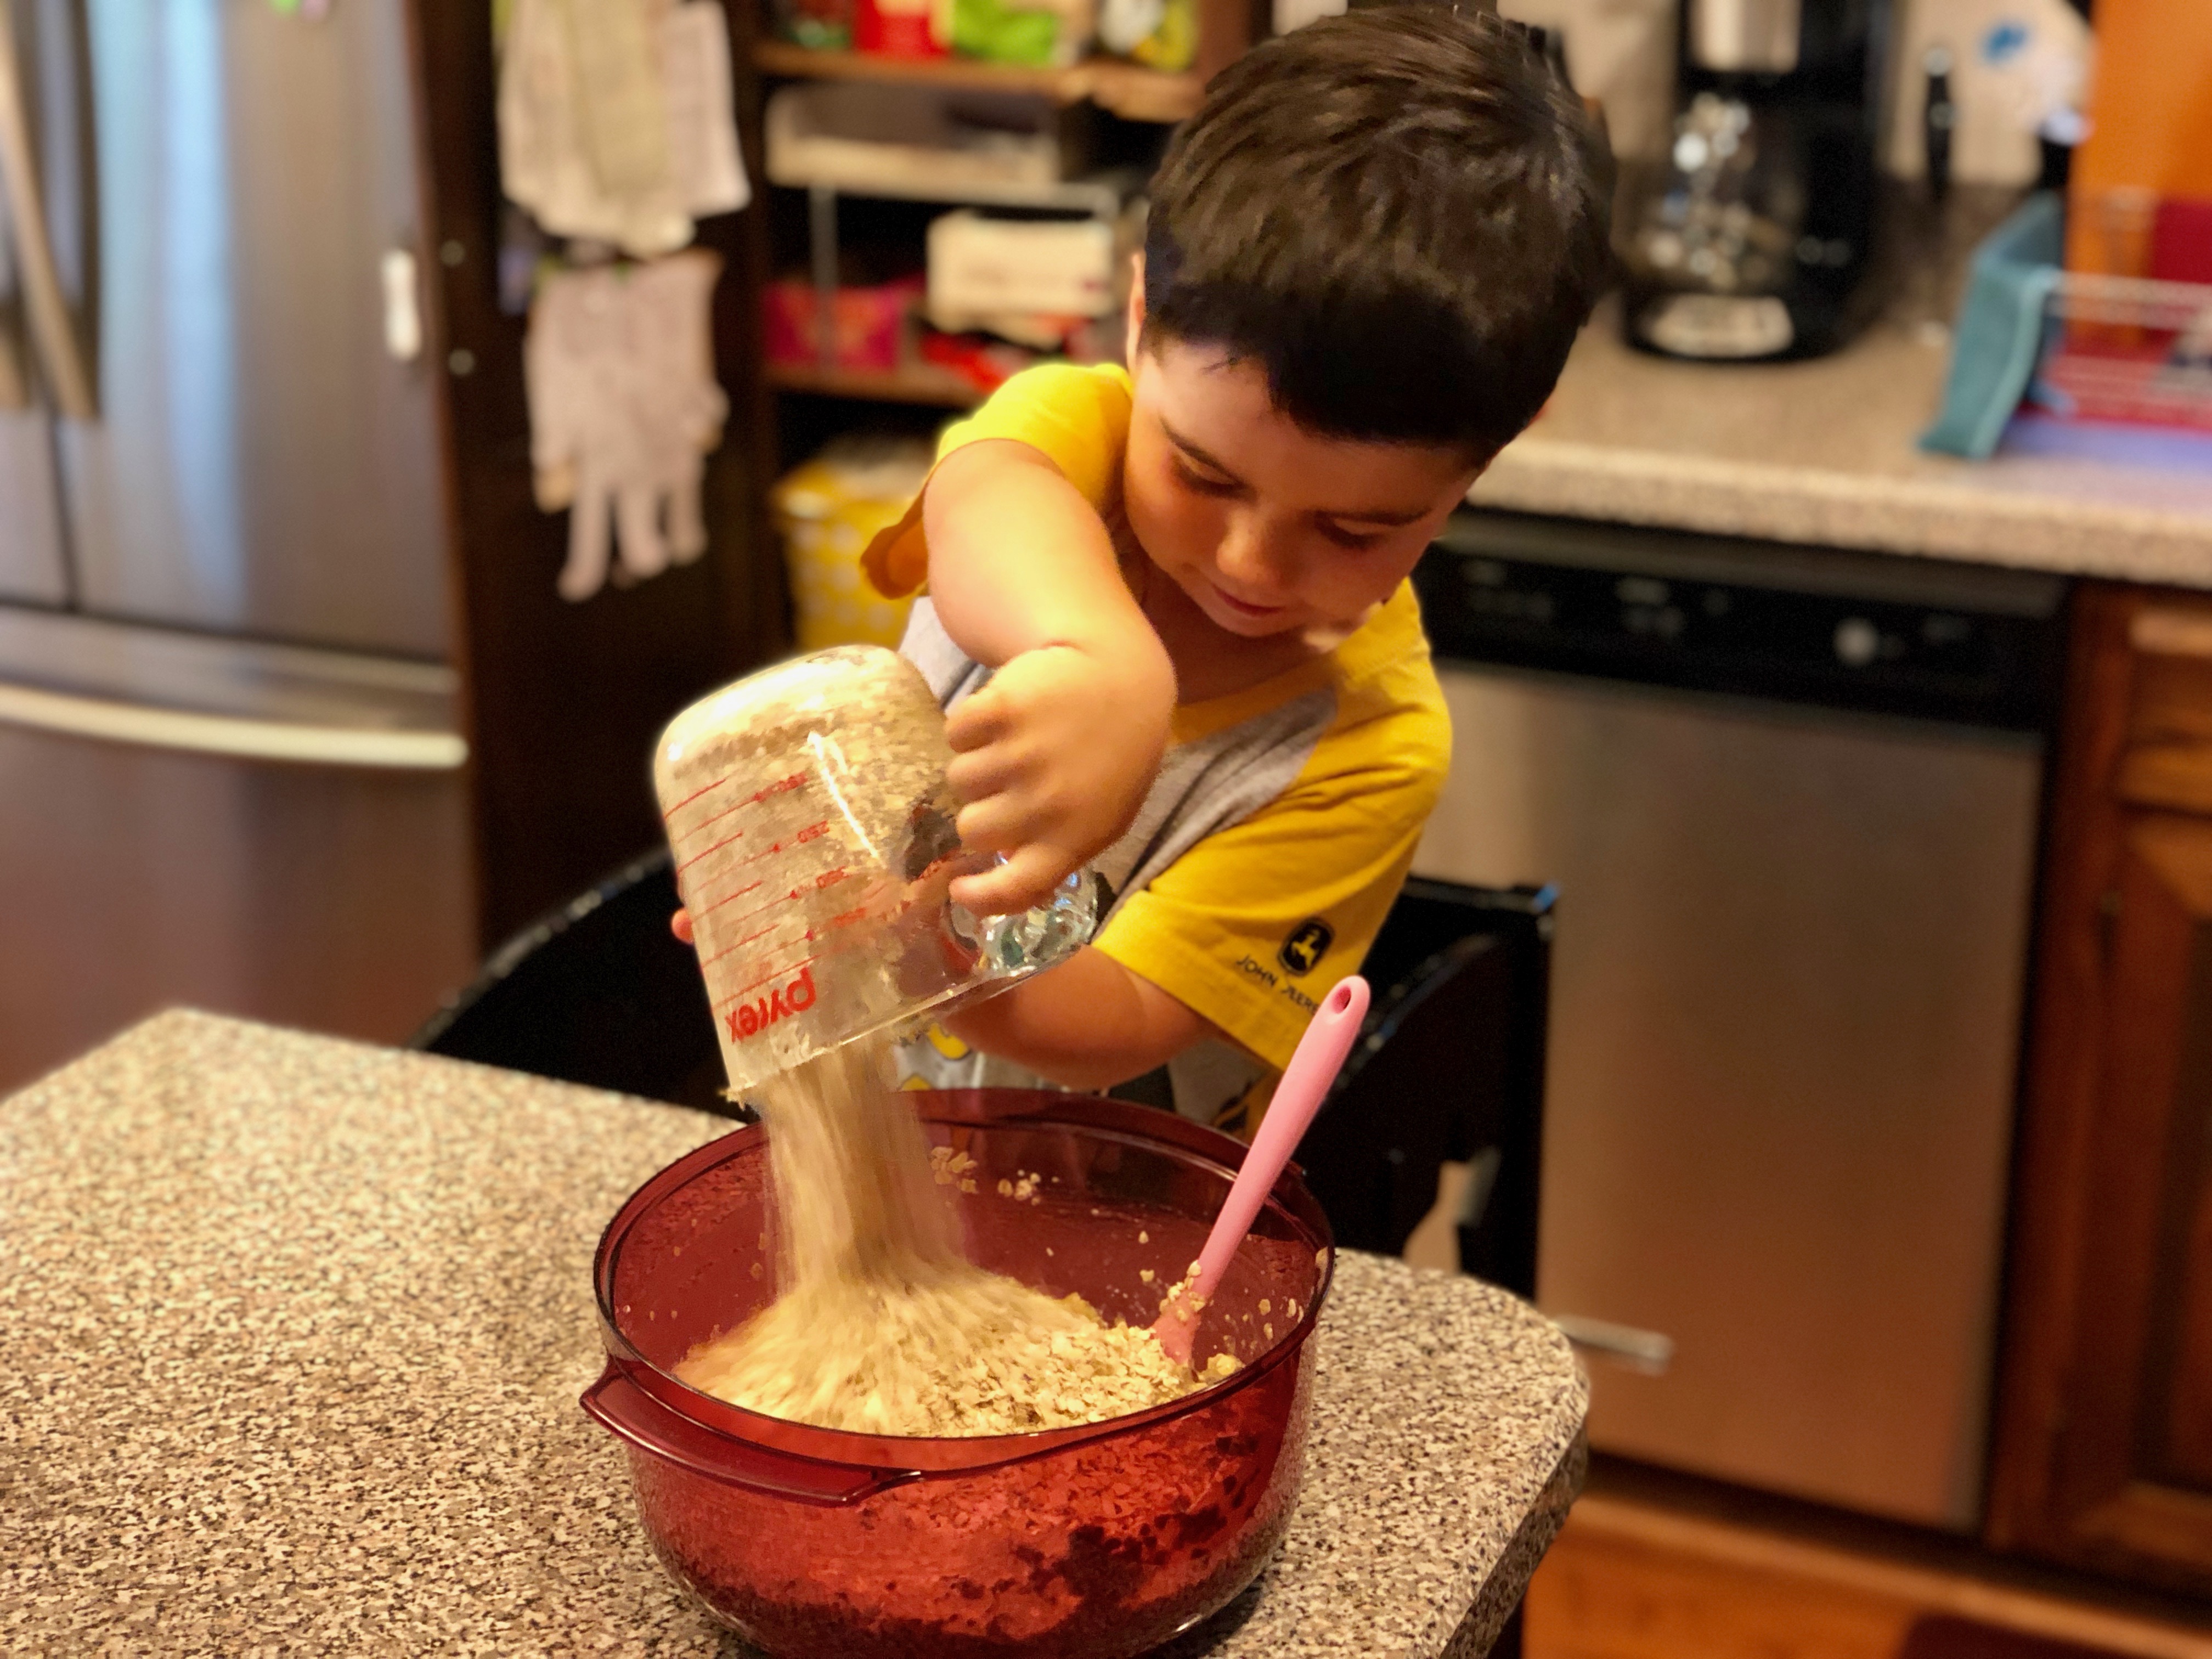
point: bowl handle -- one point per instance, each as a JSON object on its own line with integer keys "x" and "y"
{"x": 632, "y": 1414}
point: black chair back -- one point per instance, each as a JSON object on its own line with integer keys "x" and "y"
{"x": 600, "y": 993}
{"x": 1450, "y": 1067}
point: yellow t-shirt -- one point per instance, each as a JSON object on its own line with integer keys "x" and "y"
{"x": 1284, "y": 816}
{"x": 1079, "y": 417}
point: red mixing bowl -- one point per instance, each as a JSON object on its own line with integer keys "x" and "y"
{"x": 1096, "y": 1542}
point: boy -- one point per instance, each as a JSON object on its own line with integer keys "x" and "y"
{"x": 1167, "y": 607}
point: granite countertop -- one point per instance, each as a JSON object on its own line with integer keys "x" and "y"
{"x": 1824, "y": 451}
{"x": 294, "y": 1329}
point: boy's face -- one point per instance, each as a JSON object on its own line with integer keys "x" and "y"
{"x": 1266, "y": 526}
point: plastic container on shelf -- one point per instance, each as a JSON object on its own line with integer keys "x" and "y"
{"x": 812, "y": 832}
{"x": 2091, "y": 347}
{"x": 1099, "y": 1541}
{"x": 827, "y": 510}
{"x": 2131, "y": 340}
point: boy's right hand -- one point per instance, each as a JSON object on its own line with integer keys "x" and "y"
{"x": 1053, "y": 758}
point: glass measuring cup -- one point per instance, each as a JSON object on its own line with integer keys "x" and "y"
{"x": 812, "y": 832}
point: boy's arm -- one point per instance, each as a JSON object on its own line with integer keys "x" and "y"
{"x": 1089, "y": 1023}
{"x": 1054, "y": 756}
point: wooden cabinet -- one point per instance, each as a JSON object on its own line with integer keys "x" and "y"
{"x": 2104, "y": 1442}
{"x": 564, "y": 701}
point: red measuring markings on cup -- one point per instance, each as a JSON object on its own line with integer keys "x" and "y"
{"x": 827, "y": 879}
{"x": 781, "y": 786}
{"x": 756, "y": 923}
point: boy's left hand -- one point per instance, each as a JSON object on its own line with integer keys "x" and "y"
{"x": 1052, "y": 759}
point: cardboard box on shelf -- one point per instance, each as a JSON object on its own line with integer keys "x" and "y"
{"x": 980, "y": 263}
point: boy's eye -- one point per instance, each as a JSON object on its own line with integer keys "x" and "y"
{"x": 1354, "y": 539}
{"x": 1199, "y": 482}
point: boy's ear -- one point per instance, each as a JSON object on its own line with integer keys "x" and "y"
{"x": 1135, "y": 327}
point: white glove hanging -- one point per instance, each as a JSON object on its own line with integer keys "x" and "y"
{"x": 624, "y": 407}
{"x": 615, "y": 119}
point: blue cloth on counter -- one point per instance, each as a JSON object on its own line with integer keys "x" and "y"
{"x": 2001, "y": 329}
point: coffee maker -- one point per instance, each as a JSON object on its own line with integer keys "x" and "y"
{"x": 1752, "y": 241}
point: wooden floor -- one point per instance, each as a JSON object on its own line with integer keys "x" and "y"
{"x": 1634, "y": 1580}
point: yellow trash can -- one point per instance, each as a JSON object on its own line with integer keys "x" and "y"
{"x": 827, "y": 511}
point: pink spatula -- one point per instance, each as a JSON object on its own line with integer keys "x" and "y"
{"x": 1313, "y": 1067}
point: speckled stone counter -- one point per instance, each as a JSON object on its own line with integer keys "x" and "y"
{"x": 292, "y": 1333}
{"x": 1824, "y": 453}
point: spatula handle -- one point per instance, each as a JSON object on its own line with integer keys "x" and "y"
{"x": 1313, "y": 1067}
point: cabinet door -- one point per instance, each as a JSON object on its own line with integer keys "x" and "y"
{"x": 2104, "y": 1449}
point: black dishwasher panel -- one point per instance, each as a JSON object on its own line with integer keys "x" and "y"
{"x": 1919, "y": 637}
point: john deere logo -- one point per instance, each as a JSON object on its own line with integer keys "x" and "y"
{"x": 1308, "y": 944}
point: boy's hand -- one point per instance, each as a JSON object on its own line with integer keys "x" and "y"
{"x": 1085, "y": 1023}
{"x": 1053, "y": 758}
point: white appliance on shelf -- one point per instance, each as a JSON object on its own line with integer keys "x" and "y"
{"x": 983, "y": 266}
{"x": 1789, "y": 800}
{"x": 231, "y": 771}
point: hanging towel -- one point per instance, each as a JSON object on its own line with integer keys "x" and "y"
{"x": 2002, "y": 329}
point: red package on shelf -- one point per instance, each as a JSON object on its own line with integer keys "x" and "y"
{"x": 983, "y": 364}
{"x": 902, "y": 28}
{"x": 868, "y": 324}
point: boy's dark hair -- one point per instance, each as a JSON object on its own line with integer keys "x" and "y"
{"x": 1401, "y": 214}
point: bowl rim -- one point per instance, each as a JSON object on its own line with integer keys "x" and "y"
{"x": 902, "y": 1457}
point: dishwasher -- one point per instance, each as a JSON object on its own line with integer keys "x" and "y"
{"x": 1789, "y": 798}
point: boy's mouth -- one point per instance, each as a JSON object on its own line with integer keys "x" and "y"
{"x": 1243, "y": 608}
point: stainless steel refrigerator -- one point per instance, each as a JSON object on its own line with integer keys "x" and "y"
{"x": 231, "y": 768}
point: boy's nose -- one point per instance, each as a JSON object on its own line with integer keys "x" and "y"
{"x": 1248, "y": 557}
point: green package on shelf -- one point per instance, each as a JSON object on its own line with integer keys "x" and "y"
{"x": 998, "y": 32}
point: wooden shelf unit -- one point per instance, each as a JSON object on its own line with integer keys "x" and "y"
{"x": 1129, "y": 90}
{"x": 923, "y": 384}
{"x": 1226, "y": 28}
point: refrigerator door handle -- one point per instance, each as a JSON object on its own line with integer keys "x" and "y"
{"x": 402, "y": 307}
{"x": 157, "y": 727}
{"x": 52, "y": 330}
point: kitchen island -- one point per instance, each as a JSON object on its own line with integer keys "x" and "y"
{"x": 295, "y": 1328}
